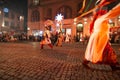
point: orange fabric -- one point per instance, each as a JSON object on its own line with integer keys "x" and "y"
{"x": 109, "y": 56}
{"x": 100, "y": 37}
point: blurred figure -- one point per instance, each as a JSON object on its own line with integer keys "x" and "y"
{"x": 117, "y": 38}
{"x": 99, "y": 49}
{"x": 67, "y": 38}
{"x": 46, "y": 39}
{"x": 59, "y": 41}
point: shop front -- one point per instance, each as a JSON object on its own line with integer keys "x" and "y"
{"x": 79, "y": 31}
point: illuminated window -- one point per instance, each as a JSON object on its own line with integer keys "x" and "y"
{"x": 79, "y": 27}
{"x": 36, "y": 2}
{"x": 35, "y": 17}
{"x": 68, "y": 31}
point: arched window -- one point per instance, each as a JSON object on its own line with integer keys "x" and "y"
{"x": 66, "y": 11}
{"x": 36, "y": 2}
{"x": 79, "y": 31}
{"x": 79, "y": 27}
{"x": 35, "y": 17}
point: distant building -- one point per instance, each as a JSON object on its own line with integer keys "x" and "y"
{"x": 11, "y": 21}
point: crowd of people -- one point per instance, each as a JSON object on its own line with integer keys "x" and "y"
{"x": 7, "y": 37}
{"x": 53, "y": 38}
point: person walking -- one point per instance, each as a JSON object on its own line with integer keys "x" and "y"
{"x": 99, "y": 49}
{"x": 59, "y": 41}
{"x": 46, "y": 39}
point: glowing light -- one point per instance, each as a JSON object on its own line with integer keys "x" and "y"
{"x": 80, "y": 25}
{"x": 6, "y": 10}
{"x": 3, "y": 24}
{"x": 85, "y": 22}
{"x": 28, "y": 28}
{"x": 119, "y": 18}
{"x": 21, "y": 18}
{"x": 0, "y": 12}
{"x": 59, "y": 17}
{"x": 41, "y": 32}
{"x": 110, "y": 21}
{"x": 75, "y": 19}
{"x": 57, "y": 24}
{"x": 85, "y": 19}
{"x": 75, "y": 23}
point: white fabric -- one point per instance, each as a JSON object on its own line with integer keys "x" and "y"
{"x": 100, "y": 36}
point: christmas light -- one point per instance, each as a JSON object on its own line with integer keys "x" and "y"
{"x": 59, "y": 17}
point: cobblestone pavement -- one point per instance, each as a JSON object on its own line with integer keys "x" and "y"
{"x": 26, "y": 61}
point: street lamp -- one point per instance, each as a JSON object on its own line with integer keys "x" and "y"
{"x": 59, "y": 19}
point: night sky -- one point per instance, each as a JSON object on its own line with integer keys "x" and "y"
{"x": 19, "y": 6}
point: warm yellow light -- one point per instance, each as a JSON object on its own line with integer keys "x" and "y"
{"x": 75, "y": 19}
{"x": 85, "y": 22}
{"x": 21, "y": 18}
{"x": 119, "y": 20}
{"x": 119, "y": 17}
{"x": 28, "y": 28}
{"x": 3, "y": 25}
{"x": 85, "y": 19}
{"x": 81, "y": 25}
{"x": 0, "y": 12}
{"x": 110, "y": 21}
{"x": 75, "y": 23}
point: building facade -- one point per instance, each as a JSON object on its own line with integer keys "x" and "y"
{"x": 10, "y": 21}
{"x": 41, "y": 11}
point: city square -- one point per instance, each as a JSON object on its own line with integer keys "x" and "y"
{"x": 26, "y": 61}
{"x": 59, "y": 39}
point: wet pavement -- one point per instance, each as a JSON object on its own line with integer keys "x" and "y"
{"x": 26, "y": 61}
